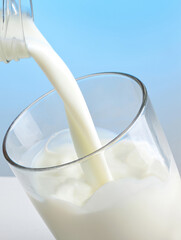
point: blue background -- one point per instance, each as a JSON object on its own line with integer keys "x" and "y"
{"x": 142, "y": 38}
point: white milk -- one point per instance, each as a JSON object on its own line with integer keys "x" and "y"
{"x": 83, "y": 132}
{"x": 142, "y": 203}
{"x": 81, "y": 125}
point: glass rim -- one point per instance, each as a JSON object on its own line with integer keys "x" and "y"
{"x": 86, "y": 157}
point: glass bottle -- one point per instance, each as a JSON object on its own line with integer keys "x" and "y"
{"x": 12, "y": 39}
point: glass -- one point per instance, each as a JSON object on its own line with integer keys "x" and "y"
{"x": 143, "y": 201}
{"x": 12, "y": 40}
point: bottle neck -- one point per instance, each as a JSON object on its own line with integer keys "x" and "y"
{"x": 12, "y": 39}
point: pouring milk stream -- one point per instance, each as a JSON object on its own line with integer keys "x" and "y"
{"x": 82, "y": 128}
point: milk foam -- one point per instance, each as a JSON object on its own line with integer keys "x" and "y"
{"x": 126, "y": 160}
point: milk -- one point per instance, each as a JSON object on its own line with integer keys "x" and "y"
{"x": 80, "y": 122}
{"x": 81, "y": 125}
{"x": 143, "y": 201}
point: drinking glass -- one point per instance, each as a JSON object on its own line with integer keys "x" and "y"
{"x": 143, "y": 200}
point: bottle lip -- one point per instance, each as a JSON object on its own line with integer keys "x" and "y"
{"x": 3, "y": 24}
{"x": 13, "y": 8}
{"x": 98, "y": 151}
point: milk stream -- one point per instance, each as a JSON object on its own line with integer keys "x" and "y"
{"x": 81, "y": 125}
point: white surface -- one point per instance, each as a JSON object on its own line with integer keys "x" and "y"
{"x": 18, "y": 218}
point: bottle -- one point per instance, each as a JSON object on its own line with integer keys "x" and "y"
{"x": 12, "y": 40}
